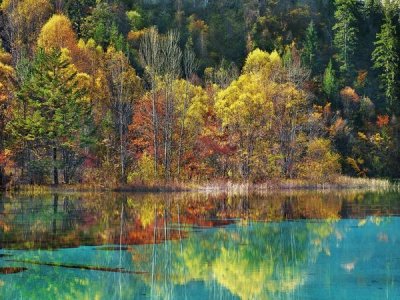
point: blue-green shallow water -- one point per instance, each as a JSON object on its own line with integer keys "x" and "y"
{"x": 325, "y": 257}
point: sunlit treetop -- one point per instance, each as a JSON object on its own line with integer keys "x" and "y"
{"x": 57, "y": 33}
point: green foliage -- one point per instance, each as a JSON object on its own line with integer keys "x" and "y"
{"x": 310, "y": 48}
{"x": 101, "y": 25}
{"x": 386, "y": 59}
{"x": 329, "y": 81}
{"x": 52, "y": 111}
{"x": 346, "y": 34}
{"x": 77, "y": 11}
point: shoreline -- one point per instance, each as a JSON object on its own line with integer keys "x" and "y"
{"x": 340, "y": 183}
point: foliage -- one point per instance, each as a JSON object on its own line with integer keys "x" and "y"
{"x": 52, "y": 109}
{"x": 57, "y": 33}
{"x": 386, "y": 59}
{"x": 320, "y": 163}
{"x": 230, "y": 90}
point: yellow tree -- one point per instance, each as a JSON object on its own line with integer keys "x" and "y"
{"x": 7, "y": 84}
{"x": 57, "y": 33}
{"x": 246, "y": 109}
{"x": 23, "y": 21}
{"x": 267, "y": 115}
{"x": 191, "y": 107}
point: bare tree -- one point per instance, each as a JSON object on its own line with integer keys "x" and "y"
{"x": 171, "y": 70}
{"x": 125, "y": 88}
{"x": 151, "y": 59}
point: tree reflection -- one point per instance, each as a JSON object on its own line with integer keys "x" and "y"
{"x": 248, "y": 246}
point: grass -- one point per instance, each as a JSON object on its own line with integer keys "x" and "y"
{"x": 340, "y": 182}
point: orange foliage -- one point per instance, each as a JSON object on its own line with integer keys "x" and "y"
{"x": 350, "y": 95}
{"x": 362, "y": 77}
{"x": 382, "y": 121}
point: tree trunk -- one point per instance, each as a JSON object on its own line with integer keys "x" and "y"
{"x": 2, "y": 180}
{"x": 155, "y": 133}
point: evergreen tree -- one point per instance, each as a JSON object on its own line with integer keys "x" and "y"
{"x": 52, "y": 110}
{"x": 310, "y": 46}
{"x": 346, "y": 31}
{"x": 386, "y": 59}
{"x": 329, "y": 81}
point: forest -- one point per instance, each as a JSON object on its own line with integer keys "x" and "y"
{"x": 119, "y": 92}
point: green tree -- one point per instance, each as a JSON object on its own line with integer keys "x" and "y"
{"x": 100, "y": 24}
{"x": 386, "y": 59}
{"x": 52, "y": 111}
{"x": 329, "y": 81}
{"x": 77, "y": 10}
{"x": 346, "y": 31}
{"x": 310, "y": 46}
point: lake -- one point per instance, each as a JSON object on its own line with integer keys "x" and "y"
{"x": 283, "y": 245}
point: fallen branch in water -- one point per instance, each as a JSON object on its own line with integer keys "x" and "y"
{"x": 81, "y": 267}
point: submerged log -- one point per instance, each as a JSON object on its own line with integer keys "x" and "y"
{"x": 81, "y": 267}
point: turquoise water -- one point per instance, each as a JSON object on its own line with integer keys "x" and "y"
{"x": 306, "y": 246}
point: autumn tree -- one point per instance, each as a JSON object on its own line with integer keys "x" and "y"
{"x": 246, "y": 110}
{"x": 7, "y": 87}
{"x": 57, "y": 33}
{"x": 320, "y": 163}
{"x": 171, "y": 70}
{"x": 151, "y": 59}
{"x": 125, "y": 89}
{"x": 23, "y": 22}
{"x": 190, "y": 66}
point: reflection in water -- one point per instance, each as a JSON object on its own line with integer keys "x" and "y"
{"x": 195, "y": 246}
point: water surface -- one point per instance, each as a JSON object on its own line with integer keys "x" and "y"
{"x": 299, "y": 245}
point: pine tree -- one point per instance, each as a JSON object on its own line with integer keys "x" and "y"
{"x": 346, "y": 31}
{"x": 386, "y": 59}
{"x": 310, "y": 46}
{"x": 52, "y": 110}
{"x": 329, "y": 81}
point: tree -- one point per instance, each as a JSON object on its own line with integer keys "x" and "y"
{"x": 23, "y": 21}
{"x": 125, "y": 89}
{"x": 77, "y": 10}
{"x": 329, "y": 81}
{"x": 151, "y": 60}
{"x": 190, "y": 66}
{"x": 346, "y": 31}
{"x": 320, "y": 164}
{"x": 171, "y": 70}
{"x": 100, "y": 24}
{"x": 7, "y": 87}
{"x": 51, "y": 112}
{"x": 386, "y": 59}
{"x": 310, "y": 46}
{"x": 57, "y": 33}
{"x": 246, "y": 109}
